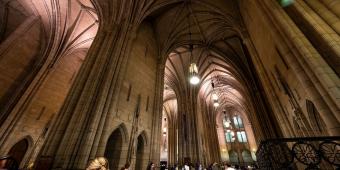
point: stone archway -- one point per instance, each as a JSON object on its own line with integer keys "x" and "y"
{"x": 19, "y": 150}
{"x": 233, "y": 157}
{"x": 114, "y": 148}
{"x": 246, "y": 156}
{"x": 140, "y": 153}
{"x": 317, "y": 123}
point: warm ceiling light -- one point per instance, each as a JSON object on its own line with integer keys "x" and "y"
{"x": 194, "y": 80}
{"x": 193, "y": 71}
{"x": 214, "y": 96}
{"x": 164, "y": 129}
{"x": 215, "y": 99}
{"x": 227, "y": 124}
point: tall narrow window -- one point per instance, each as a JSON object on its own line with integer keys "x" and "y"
{"x": 41, "y": 113}
{"x": 282, "y": 59}
{"x": 238, "y": 122}
{"x": 229, "y": 136}
{"x": 314, "y": 117}
{"x": 129, "y": 93}
{"x": 147, "y": 104}
{"x": 241, "y": 136}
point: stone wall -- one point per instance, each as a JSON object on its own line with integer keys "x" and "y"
{"x": 288, "y": 81}
{"x": 139, "y": 79}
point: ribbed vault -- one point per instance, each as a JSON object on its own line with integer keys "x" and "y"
{"x": 69, "y": 25}
{"x": 215, "y": 32}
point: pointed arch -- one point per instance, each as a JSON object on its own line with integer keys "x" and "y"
{"x": 144, "y": 136}
{"x": 141, "y": 156}
{"x": 123, "y": 130}
{"x": 114, "y": 146}
{"x": 246, "y": 156}
{"x": 20, "y": 149}
{"x": 318, "y": 125}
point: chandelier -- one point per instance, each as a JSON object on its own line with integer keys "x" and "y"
{"x": 194, "y": 78}
{"x": 214, "y": 95}
{"x": 193, "y": 70}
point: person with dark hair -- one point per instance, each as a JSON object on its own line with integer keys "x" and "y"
{"x": 8, "y": 163}
{"x": 126, "y": 167}
{"x": 151, "y": 166}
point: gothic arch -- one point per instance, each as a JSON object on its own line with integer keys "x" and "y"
{"x": 20, "y": 149}
{"x": 317, "y": 124}
{"x": 123, "y": 130}
{"x": 141, "y": 156}
{"x": 144, "y": 136}
{"x": 233, "y": 156}
{"x": 246, "y": 156}
{"x": 114, "y": 146}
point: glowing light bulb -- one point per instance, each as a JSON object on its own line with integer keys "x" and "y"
{"x": 216, "y": 104}
{"x": 194, "y": 80}
{"x": 226, "y": 124}
{"x": 214, "y": 96}
{"x": 193, "y": 70}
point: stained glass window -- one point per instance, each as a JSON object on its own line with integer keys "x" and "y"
{"x": 229, "y": 137}
{"x": 241, "y": 136}
{"x": 238, "y": 122}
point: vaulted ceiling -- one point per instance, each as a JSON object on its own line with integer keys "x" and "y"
{"x": 68, "y": 25}
{"x": 215, "y": 29}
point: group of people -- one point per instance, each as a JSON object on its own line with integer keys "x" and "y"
{"x": 190, "y": 166}
{"x": 101, "y": 163}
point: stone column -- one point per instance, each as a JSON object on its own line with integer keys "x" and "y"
{"x": 83, "y": 114}
{"x": 172, "y": 141}
{"x": 12, "y": 110}
{"x": 333, "y": 5}
{"x": 313, "y": 73}
{"x": 327, "y": 15}
{"x": 187, "y": 125}
{"x": 156, "y": 132}
{"x": 212, "y": 147}
{"x": 321, "y": 35}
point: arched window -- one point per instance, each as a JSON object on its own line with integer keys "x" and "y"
{"x": 233, "y": 156}
{"x": 238, "y": 122}
{"x": 314, "y": 117}
{"x": 234, "y": 128}
{"x": 241, "y": 136}
{"x": 229, "y": 135}
{"x": 246, "y": 155}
